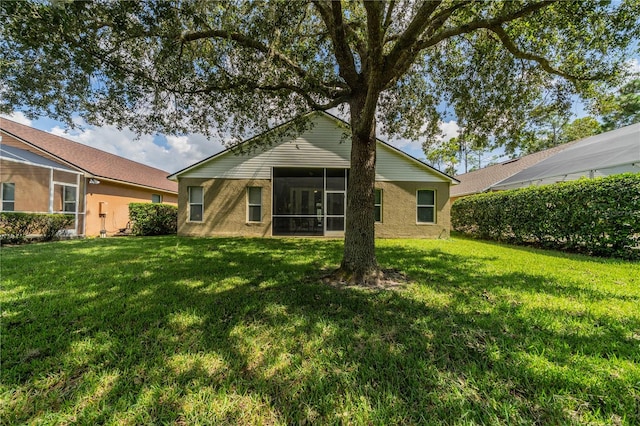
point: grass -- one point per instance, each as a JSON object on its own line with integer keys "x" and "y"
{"x": 240, "y": 331}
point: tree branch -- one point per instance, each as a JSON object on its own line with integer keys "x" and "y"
{"x": 251, "y": 43}
{"x": 387, "y": 18}
{"x": 411, "y": 34}
{"x": 333, "y": 21}
{"x": 397, "y": 66}
{"x": 483, "y": 23}
{"x": 371, "y": 63}
{"x": 543, "y": 62}
{"x": 250, "y": 85}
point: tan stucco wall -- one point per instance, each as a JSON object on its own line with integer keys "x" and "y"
{"x": 31, "y": 185}
{"x": 117, "y": 197}
{"x": 225, "y": 209}
{"x": 399, "y": 211}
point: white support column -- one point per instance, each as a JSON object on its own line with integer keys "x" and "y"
{"x": 75, "y": 227}
{"x": 51, "y": 189}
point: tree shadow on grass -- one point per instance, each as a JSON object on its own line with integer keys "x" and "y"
{"x": 240, "y": 331}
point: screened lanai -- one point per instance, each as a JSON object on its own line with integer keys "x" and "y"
{"x": 614, "y": 152}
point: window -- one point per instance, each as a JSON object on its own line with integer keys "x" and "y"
{"x": 254, "y": 204}
{"x": 377, "y": 208}
{"x": 426, "y": 204}
{"x": 8, "y": 197}
{"x": 69, "y": 199}
{"x": 156, "y": 198}
{"x": 195, "y": 203}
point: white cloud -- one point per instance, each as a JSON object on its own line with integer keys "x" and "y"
{"x": 170, "y": 153}
{"x": 18, "y": 117}
{"x": 633, "y": 65}
{"x": 449, "y": 130}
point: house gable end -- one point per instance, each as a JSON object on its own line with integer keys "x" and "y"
{"x": 326, "y": 144}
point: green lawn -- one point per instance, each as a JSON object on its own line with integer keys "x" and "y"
{"x": 241, "y": 331}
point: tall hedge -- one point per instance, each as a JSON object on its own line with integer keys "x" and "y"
{"x": 596, "y": 216}
{"x": 153, "y": 219}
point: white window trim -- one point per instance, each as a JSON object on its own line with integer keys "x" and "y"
{"x": 381, "y": 203}
{"x": 64, "y": 198}
{"x": 249, "y": 205}
{"x": 157, "y": 195}
{"x": 190, "y": 203}
{"x": 435, "y": 203}
{"x": 2, "y": 200}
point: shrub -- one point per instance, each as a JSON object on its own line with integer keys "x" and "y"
{"x": 52, "y": 224}
{"x": 153, "y": 219}
{"x": 15, "y": 226}
{"x": 596, "y": 216}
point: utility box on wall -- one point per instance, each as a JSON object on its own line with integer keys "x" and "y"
{"x": 102, "y": 208}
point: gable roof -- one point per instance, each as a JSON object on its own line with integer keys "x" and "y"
{"x": 483, "y": 179}
{"x": 91, "y": 161}
{"x": 414, "y": 162}
{"x": 617, "y": 151}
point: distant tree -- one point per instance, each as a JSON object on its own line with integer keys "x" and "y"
{"x": 623, "y": 109}
{"x": 559, "y": 131}
{"x": 239, "y": 66}
{"x": 443, "y": 154}
{"x": 543, "y": 124}
{"x": 579, "y": 128}
{"x": 448, "y": 154}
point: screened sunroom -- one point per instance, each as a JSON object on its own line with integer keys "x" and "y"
{"x": 309, "y": 201}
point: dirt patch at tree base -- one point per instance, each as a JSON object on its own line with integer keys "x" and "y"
{"x": 385, "y": 279}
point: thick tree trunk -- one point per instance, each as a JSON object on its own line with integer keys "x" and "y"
{"x": 359, "y": 265}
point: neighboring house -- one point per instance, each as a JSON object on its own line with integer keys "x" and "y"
{"x": 44, "y": 173}
{"x": 482, "y": 180}
{"x": 610, "y": 153}
{"x": 298, "y": 186}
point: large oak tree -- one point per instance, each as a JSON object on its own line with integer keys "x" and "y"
{"x": 240, "y": 66}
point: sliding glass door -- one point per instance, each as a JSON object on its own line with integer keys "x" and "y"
{"x": 335, "y": 201}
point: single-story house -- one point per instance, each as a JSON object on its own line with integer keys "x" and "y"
{"x": 44, "y": 173}
{"x": 298, "y": 187}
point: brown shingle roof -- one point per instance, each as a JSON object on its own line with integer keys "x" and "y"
{"x": 91, "y": 160}
{"x": 480, "y": 180}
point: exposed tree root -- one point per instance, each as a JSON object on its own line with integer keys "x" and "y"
{"x": 379, "y": 279}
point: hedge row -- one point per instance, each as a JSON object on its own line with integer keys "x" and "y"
{"x": 595, "y": 216}
{"x": 153, "y": 219}
{"x": 16, "y": 226}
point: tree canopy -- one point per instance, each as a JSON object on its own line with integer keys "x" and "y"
{"x": 624, "y": 108}
{"x": 238, "y": 67}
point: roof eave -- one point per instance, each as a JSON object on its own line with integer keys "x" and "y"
{"x": 137, "y": 185}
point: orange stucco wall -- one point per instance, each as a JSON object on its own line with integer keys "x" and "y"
{"x": 117, "y": 198}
